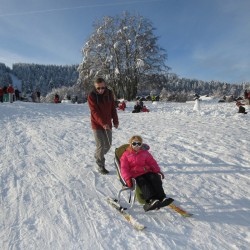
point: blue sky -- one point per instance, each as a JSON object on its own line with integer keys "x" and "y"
{"x": 204, "y": 39}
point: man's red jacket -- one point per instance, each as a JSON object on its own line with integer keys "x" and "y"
{"x": 102, "y": 109}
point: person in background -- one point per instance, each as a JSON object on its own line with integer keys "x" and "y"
{"x": 138, "y": 163}
{"x": 241, "y": 108}
{"x": 1, "y": 94}
{"x": 10, "y": 91}
{"x": 103, "y": 111}
{"x": 122, "y": 105}
{"x": 17, "y": 94}
{"x": 141, "y": 102}
{"x": 56, "y": 98}
{"x": 5, "y": 94}
{"x": 248, "y": 96}
{"x": 38, "y": 95}
{"x": 33, "y": 96}
{"x": 245, "y": 94}
{"x": 145, "y": 109}
{"x": 137, "y": 108}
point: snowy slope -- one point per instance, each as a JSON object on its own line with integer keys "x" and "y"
{"x": 52, "y": 197}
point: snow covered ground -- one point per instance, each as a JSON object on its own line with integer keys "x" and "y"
{"x": 52, "y": 197}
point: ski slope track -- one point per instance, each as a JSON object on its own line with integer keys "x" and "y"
{"x": 51, "y": 196}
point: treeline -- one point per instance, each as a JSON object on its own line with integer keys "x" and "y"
{"x": 49, "y": 79}
{"x": 172, "y": 88}
{"x": 5, "y": 77}
{"x": 44, "y": 78}
{"x": 36, "y": 77}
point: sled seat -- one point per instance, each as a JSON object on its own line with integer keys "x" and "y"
{"x": 134, "y": 192}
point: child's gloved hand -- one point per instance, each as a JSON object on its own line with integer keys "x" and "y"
{"x": 129, "y": 182}
{"x": 162, "y": 175}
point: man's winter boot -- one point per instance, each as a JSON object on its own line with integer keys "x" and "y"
{"x": 102, "y": 170}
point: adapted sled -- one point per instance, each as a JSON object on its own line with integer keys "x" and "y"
{"x": 134, "y": 192}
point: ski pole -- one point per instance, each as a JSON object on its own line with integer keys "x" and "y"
{"x": 108, "y": 137}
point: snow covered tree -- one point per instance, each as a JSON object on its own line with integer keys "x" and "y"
{"x": 5, "y": 78}
{"x": 123, "y": 50}
{"x": 51, "y": 84}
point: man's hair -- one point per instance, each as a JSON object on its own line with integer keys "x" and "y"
{"x": 99, "y": 80}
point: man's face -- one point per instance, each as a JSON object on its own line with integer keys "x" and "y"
{"x": 100, "y": 87}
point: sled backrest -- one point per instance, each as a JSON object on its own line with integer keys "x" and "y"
{"x": 118, "y": 153}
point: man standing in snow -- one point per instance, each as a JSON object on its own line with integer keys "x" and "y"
{"x": 17, "y": 95}
{"x": 38, "y": 95}
{"x": 102, "y": 108}
{"x": 1, "y": 94}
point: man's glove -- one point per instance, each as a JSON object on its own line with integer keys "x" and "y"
{"x": 106, "y": 126}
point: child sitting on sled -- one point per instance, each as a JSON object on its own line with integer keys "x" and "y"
{"x": 122, "y": 105}
{"x": 138, "y": 163}
{"x": 241, "y": 108}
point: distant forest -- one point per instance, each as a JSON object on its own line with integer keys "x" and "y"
{"x": 43, "y": 78}
{"x": 48, "y": 78}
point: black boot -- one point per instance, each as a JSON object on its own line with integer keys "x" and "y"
{"x": 102, "y": 170}
{"x": 165, "y": 202}
{"x": 151, "y": 205}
